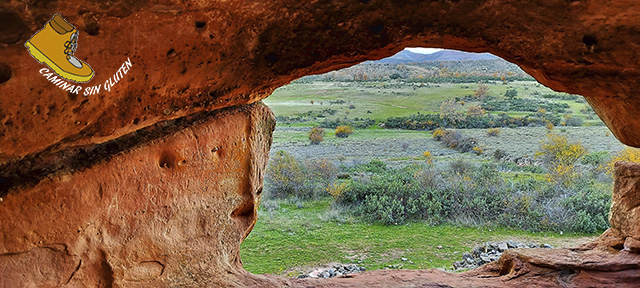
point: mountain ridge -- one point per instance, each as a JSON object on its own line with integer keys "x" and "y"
{"x": 406, "y": 56}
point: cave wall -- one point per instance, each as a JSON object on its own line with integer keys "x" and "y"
{"x": 192, "y": 56}
{"x": 169, "y": 212}
{"x": 156, "y": 181}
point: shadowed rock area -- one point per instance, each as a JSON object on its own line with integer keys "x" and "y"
{"x": 156, "y": 182}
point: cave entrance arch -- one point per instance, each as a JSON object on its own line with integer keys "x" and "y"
{"x": 141, "y": 187}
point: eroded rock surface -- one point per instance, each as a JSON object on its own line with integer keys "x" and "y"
{"x": 155, "y": 182}
{"x": 169, "y": 212}
{"x": 625, "y": 205}
{"x": 192, "y": 56}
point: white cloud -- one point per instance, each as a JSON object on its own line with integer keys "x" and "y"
{"x": 423, "y": 50}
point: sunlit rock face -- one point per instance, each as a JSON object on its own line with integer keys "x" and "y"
{"x": 168, "y": 212}
{"x": 154, "y": 182}
{"x": 625, "y": 207}
{"x": 191, "y": 56}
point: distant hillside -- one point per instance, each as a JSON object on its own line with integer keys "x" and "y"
{"x": 406, "y": 56}
{"x": 441, "y": 66}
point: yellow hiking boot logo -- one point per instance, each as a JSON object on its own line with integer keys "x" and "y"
{"x": 54, "y": 46}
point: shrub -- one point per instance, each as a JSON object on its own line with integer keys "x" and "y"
{"x": 337, "y": 190}
{"x": 525, "y": 105}
{"x": 392, "y": 198}
{"x": 511, "y": 93}
{"x": 560, "y": 157}
{"x": 316, "y": 135}
{"x": 437, "y": 134}
{"x": 549, "y": 126}
{"x": 628, "y": 154}
{"x": 469, "y": 194}
{"x": 499, "y": 154}
{"x": 460, "y": 167}
{"x": 475, "y": 111}
{"x": 375, "y": 166}
{"x": 574, "y": 121}
{"x": 427, "y": 157}
{"x": 457, "y": 141}
{"x": 449, "y": 111}
{"x": 478, "y": 150}
{"x": 588, "y": 209}
{"x": 343, "y": 131}
{"x": 321, "y": 169}
{"x": 596, "y": 159}
{"x": 493, "y": 132}
{"x": 482, "y": 91}
{"x": 284, "y": 176}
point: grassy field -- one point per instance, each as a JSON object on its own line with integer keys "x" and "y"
{"x": 291, "y": 236}
{"x": 403, "y": 146}
{"x": 380, "y": 100}
{"x": 289, "y": 239}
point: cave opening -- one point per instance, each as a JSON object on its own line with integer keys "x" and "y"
{"x": 411, "y": 161}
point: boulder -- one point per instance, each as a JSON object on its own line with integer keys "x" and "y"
{"x": 625, "y": 205}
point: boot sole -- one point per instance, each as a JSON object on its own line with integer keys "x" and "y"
{"x": 63, "y": 74}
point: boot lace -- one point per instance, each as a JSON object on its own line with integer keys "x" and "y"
{"x": 71, "y": 45}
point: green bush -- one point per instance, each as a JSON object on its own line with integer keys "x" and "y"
{"x": 589, "y": 209}
{"x": 433, "y": 121}
{"x": 463, "y": 193}
{"x": 392, "y": 198}
{"x": 596, "y": 159}
{"x": 288, "y": 178}
{"x": 284, "y": 176}
{"x": 375, "y": 166}
{"x": 574, "y": 121}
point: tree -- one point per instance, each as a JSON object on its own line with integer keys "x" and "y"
{"x": 482, "y": 91}
{"x": 511, "y": 93}
{"x": 395, "y": 76}
{"x": 449, "y": 111}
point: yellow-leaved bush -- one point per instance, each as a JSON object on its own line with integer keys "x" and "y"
{"x": 560, "y": 157}
{"x": 628, "y": 154}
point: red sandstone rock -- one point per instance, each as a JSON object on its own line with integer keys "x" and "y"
{"x": 169, "y": 212}
{"x": 141, "y": 187}
{"x": 516, "y": 268}
{"x": 242, "y": 50}
{"x": 632, "y": 245}
{"x": 625, "y": 205}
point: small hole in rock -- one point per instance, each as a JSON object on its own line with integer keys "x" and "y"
{"x": 5, "y": 73}
{"x": 171, "y": 52}
{"x": 589, "y": 39}
{"x": 200, "y": 24}
{"x": 271, "y": 57}
{"x": 168, "y": 159}
{"x": 92, "y": 28}
{"x": 136, "y": 121}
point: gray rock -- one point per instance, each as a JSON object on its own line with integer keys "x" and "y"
{"x": 489, "y": 252}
